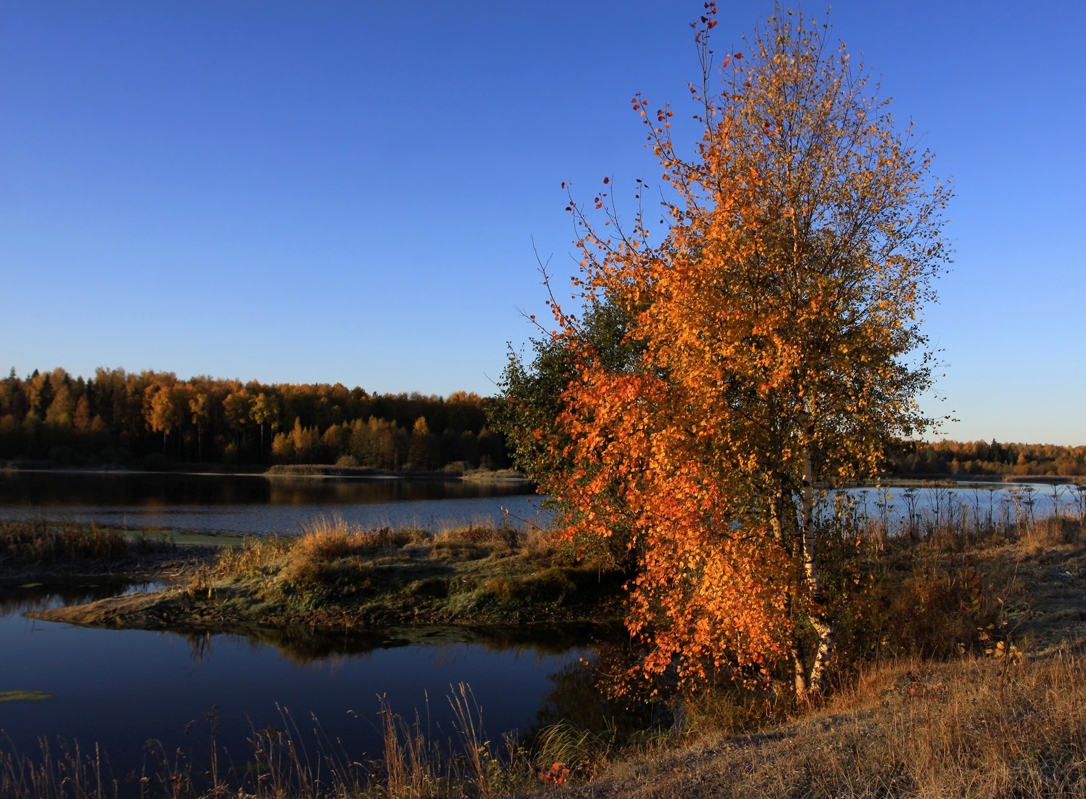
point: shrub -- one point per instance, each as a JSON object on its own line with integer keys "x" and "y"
{"x": 1053, "y": 531}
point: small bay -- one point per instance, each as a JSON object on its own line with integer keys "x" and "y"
{"x": 120, "y": 689}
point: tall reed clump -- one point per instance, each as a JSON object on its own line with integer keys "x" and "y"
{"x": 286, "y": 764}
{"x": 37, "y": 541}
{"x": 322, "y": 541}
{"x": 67, "y": 774}
{"x": 330, "y": 560}
{"x": 416, "y": 766}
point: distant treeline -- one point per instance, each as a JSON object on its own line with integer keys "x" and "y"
{"x": 152, "y": 418}
{"x": 980, "y": 457}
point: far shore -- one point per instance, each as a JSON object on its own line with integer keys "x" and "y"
{"x": 319, "y": 471}
{"x": 316, "y": 471}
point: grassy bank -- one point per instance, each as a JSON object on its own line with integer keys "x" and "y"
{"x": 974, "y": 727}
{"x": 33, "y": 541}
{"x": 34, "y": 550}
{"x": 338, "y": 577}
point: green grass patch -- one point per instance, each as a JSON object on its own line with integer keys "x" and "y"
{"x": 24, "y": 696}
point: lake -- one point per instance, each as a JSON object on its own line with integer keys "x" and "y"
{"x": 258, "y": 504}
{"x": 927, "y": 506}
{"x": 241, "y": 504}
{"x": 121, "y": 688}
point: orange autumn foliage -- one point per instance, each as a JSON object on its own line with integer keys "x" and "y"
{"x": 778, "y": 344}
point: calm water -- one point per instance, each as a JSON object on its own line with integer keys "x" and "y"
{"x": 120, "y": 688}
{"x": 975, "y": 502}
{"x": 258, "y": 504}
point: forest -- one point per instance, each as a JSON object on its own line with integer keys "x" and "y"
{"x": 988, "y": 458}
{"x": 153, "y": 419}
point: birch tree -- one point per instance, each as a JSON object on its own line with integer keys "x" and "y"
{"x": 776, "y": 328}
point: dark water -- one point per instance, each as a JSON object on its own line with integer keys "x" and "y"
{"x": 258, "y": 504}
{"x": 158, "y": 489}
{"x": 121, "y": 688}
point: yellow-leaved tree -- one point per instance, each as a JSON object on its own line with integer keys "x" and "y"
{"x": 770, "y": 341}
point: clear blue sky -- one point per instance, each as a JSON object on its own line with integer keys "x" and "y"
{"x": 334, "y": 191}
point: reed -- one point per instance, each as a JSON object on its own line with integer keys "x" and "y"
{"x": 286, "y": 764}
{"x": 39, "y": 542}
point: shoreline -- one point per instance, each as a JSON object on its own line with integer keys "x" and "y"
{"x": 314, "y": 471}
{"x": 501, "y": 476}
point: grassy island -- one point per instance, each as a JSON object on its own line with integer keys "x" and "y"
{"x": 333, "y": 577}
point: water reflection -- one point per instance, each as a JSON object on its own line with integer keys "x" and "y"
{"x": 120, "y": 688}
{"x": 37, "y": 596}
{"x": 304, "y": 645}
{"x": 256, "y": 503}
{"x": 164, "y": 489}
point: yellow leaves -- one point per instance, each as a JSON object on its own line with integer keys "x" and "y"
{"x": 771, "y": 322}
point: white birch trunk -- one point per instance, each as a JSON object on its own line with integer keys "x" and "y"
{"x": 822, "y": 625}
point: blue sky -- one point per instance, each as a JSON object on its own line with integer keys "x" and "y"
{"x": 323, "y": 192}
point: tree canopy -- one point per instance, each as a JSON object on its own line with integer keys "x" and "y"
{"x": 151, "y": 417}
{"x": 771, "y": 340}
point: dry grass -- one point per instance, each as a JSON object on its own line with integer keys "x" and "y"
{"x": 1053, "y": 531}
{"x": 333, "y": 537}
{"x": 67, "y": 774}
{"x": 974, "y": 728}
{"x": 475, "y": 573}
{"x": 312, "y": 558}
{"x": 40, "y": 542}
